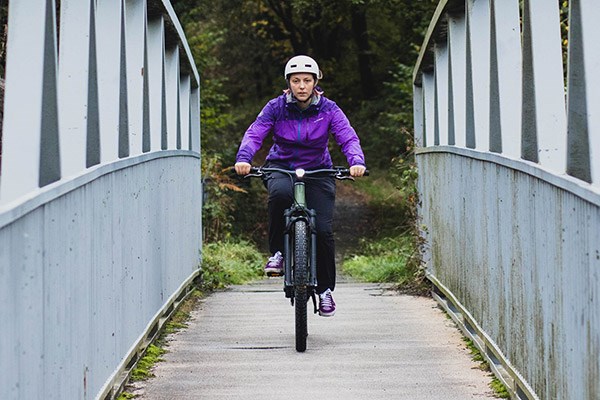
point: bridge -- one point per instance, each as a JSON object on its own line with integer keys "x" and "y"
{"x": 509, "y": 160}
{"x": 100, "y": 192}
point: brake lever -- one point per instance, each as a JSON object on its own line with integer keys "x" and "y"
{"x": 344, "y": 177}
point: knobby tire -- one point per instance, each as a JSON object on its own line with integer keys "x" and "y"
{"x": 301, "y": 258}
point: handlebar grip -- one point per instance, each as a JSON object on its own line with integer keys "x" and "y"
{"x": 252, "y": 170}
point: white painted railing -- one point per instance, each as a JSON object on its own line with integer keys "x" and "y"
{"x": 509, "y": 181}
{"x": 100, "y": 192}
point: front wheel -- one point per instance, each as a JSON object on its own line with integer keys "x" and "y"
{"x": 300, "y": 282}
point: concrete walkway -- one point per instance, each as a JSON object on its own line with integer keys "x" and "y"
{"x": 379, "y": 345}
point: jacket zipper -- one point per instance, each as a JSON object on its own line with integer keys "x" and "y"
{"x": 300, "y": 128}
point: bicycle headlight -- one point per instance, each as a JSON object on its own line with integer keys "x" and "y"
{"x": 300, "y": 173}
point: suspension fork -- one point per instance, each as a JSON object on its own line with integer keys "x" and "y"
{"x": 300, "y": 197}
{"x": 287, "y": 265}
{"x": 313, "y": 248}
{"x": 300, "y": 201}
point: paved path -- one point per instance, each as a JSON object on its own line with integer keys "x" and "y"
{"x": 379, "y": 345}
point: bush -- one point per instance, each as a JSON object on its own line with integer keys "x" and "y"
{"x": 384, "y": 260}
{"x": 394, "y": 255}
{"x": 230, "y": 263}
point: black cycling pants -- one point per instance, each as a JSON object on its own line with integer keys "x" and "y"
{"x": 320, "y": 196}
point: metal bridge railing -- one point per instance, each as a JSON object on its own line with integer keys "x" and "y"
{"x": 509, "y": 162}
{"x": 100, "y": 192}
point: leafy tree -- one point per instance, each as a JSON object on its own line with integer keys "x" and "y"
{"x": 366, "y": 49}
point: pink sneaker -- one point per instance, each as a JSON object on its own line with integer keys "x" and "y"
{"x": 326, "y": 304}
{"x": 274, "y": 266}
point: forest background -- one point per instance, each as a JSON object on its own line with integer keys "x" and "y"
{"x": 366, "y": 50}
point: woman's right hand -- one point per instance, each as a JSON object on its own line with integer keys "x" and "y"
{"x": 242, "y": 168}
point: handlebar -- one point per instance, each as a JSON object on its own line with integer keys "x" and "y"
{"x": 340, "y": 173}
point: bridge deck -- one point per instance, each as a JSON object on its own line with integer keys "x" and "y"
{"x": 380, "y": 345}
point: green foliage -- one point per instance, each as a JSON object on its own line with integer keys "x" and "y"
{"x": 386, "y": 126}
{"x": 217, "y": 208}
{"x": 383, "y": 260}
{"x": 230, "y": 263}
{"x": 366, "y": 49}
{"x": 143, "y": 369}
{"x": 496, "y": 385}
{"x": 250, "y": 214}
{"x": 564, "y": 32}
{"x": 395, "y": 254}
{"x": 476, "y": 354}
{"x": 388, "y": 204}
{"x": 499, "y": 389}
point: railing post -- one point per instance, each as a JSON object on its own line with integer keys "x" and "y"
{"x": 457, "y": 74}
{"x": 135, "y": 32}
{"x": 583, "y": 158}
{"x": 441, "y": 93}
{"x": 172, "y": 96}
{"x": 429, "y": 108}
{"x": 418, "y": 115}
{"x": 479, "y": 28}
{"x": 30, "y": 148}
{"x": 590, "y": 28}
{"x": 195, "y": 133}
{"x": 184, "y": 108}
{"x": 112, "y": 87}
{"x": 506, "y": 56}
{"x": 544, "y": 116}
{"x": 74, "y": 78}
{"x": 156, "y": 74}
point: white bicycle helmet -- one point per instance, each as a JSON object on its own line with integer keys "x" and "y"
{"x": 299, "y": 64}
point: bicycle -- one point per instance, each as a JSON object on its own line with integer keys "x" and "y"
{"x": 300, "y": 244}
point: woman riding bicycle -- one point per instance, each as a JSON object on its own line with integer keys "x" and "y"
{"x": 300, "y": 121}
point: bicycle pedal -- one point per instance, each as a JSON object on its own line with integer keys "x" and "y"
{"x": 274, "y": 274}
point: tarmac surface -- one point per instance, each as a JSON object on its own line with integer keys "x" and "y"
{"x": 380, "y": 345}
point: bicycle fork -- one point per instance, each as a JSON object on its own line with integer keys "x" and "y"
{"x": 300, "y": 212}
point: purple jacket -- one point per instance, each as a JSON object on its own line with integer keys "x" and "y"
{"x": 301, "y": 137}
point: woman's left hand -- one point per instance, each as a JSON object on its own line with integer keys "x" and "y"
{"x": 357, "y": 170}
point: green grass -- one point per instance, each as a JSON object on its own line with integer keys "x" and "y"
{"x": 392, "y": 255}
{"x": 383, "y": 260}
{"x": 378, "y": 187}
{"x": 391, "y": 206}
{"x": 496, "y": 385}
{"x": 143, "y": 369}
{"x": 499, "y": 389}
{"x": 230, "y": 263}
